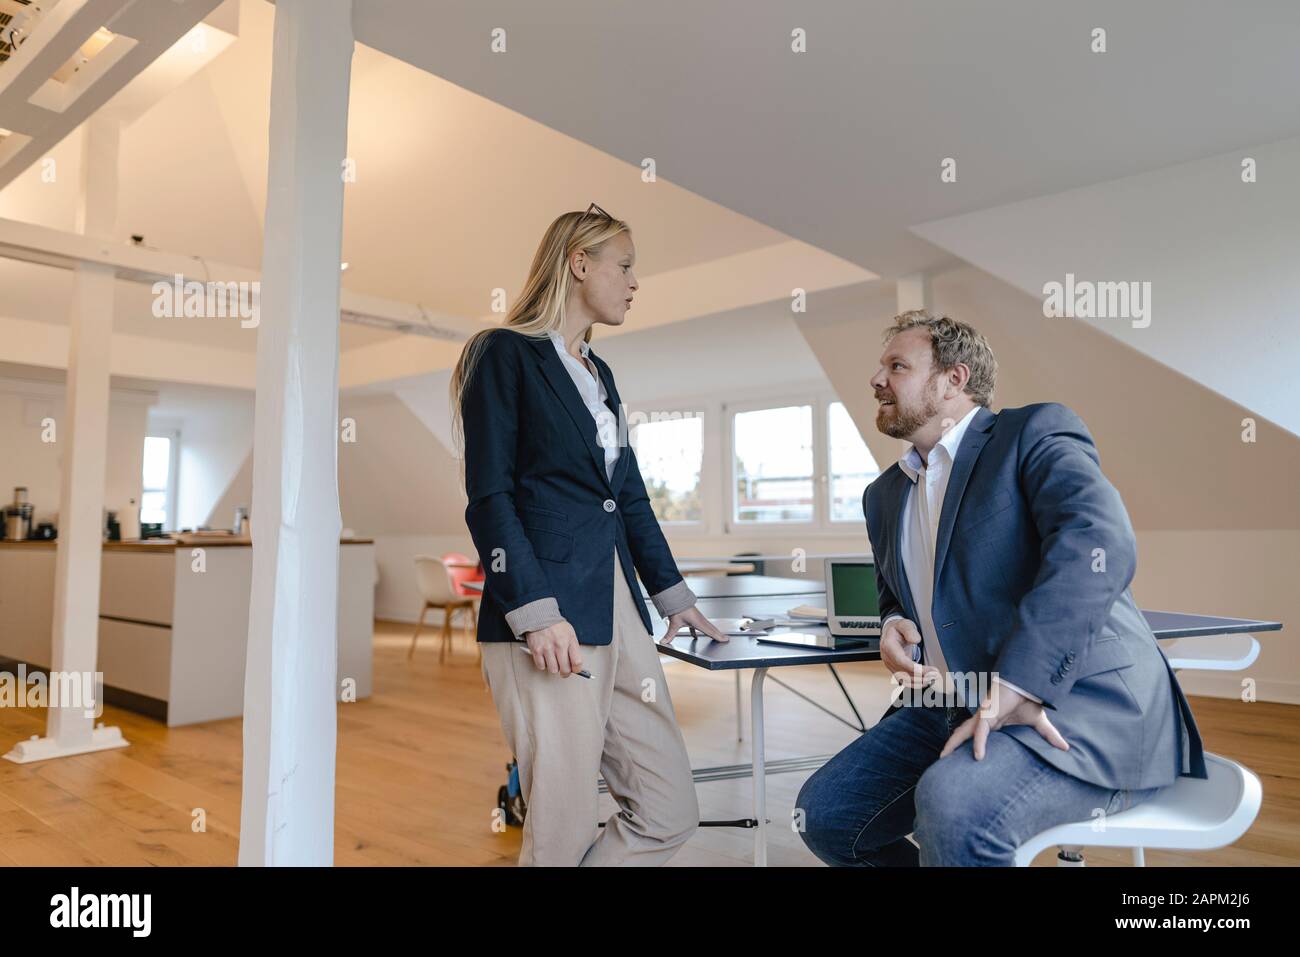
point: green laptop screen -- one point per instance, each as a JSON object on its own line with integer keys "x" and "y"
{"x": 853, "y": 590}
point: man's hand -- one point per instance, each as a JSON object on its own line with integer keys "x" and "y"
{"x": 1000, "y": 708}
{"x": 555, "y": 649}
{"x": 695, "y": 618}
{"x": 896, "y": 642}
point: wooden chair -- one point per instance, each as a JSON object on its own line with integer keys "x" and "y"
{"x": 435, "y": 585}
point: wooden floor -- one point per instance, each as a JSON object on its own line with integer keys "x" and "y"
{"x": 420, "y": 762}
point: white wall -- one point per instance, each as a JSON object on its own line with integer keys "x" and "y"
{"x": 1231, "y": 573}
{"x": 216, "y": 436}
{"x": 1220, "y": 255}
{"x": 27, "y": 397}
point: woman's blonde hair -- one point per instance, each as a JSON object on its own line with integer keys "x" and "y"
{"x": 540, "y": 307}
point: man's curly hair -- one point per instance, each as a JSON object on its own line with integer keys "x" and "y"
{"x": 954, "y": 342}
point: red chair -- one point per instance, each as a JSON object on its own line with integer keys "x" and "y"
{"x": 462, "y": 568}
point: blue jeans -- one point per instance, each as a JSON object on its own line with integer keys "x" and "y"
{"x": 860, "y": 806}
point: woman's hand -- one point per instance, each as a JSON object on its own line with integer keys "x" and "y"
{"x": 555, "y": 649}
{"x": 695, "y": 618}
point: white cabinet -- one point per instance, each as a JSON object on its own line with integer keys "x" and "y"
{"x": 172, "y": 629}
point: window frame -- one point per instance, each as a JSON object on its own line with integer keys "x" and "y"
{"x": 822, "y": 524}
{"x": 173, "y": 485}
{"x": 831, "y": 521}
{"x": 700, "y": 411}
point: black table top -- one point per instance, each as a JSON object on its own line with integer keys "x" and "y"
{"x": 1176, "y": 624}
{"x": 745, "y": 652}
{"x": 741, "y": 586}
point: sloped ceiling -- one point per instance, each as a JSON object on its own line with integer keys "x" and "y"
{"x": 1218, "y": 256}
{"x": 1170, "y": 445}
{"x": 463, "y": 156}
{"x": 451, "y": 193}
{"x": 840, "y": 146}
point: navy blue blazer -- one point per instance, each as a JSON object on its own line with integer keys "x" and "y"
{"x": 1020, "y": 591}
{"x": 543, "y": 515}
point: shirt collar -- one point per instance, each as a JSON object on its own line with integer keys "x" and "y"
{"x": 584, "y": 347}
{"x": 911, "y": 463}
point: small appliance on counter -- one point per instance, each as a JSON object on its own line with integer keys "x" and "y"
{"x": 18, "y": 517}
{"x": 45, "y": 532}
{"x": 112, "y": 529}
{"x": 150, "y": 530}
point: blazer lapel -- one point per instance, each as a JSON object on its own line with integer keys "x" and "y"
{"x": 561, "y": 383}
{"x": 972, "y": 443}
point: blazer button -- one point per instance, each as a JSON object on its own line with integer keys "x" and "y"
{"x": 609, "y": 505}
{"x": 1056, "y": 679}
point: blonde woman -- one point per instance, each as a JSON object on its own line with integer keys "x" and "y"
{"x": 562, "y": 523}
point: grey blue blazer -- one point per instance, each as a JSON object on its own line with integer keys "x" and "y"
{"x": 1028, "y": 523}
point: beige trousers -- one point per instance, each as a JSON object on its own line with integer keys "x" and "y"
{"x": 618, "y": 724}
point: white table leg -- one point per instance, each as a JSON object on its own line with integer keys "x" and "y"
{"x": 760, "y": 770}
{"x": 740, "y": 716}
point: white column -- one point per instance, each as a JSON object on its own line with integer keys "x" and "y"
{"x": 290, "y": 674}
{"x": 913, "y": 292}
{"x": 82, "y": 435}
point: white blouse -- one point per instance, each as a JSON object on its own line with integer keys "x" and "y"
{"x": 592, "y": 390}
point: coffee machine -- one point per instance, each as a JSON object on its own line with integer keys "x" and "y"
{"x": 18, "y": 517}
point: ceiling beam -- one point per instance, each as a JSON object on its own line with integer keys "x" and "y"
{"x": 47, "y": 246}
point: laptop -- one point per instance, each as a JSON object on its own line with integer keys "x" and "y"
{"x": 852, "y": 610}
{"x": 852, "y": 602}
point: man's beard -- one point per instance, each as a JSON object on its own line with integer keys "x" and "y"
{"x": 906, "y": 420}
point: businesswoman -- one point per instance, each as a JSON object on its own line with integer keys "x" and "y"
{"x": 560, "y": 517}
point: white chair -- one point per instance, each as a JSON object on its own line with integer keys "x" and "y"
{"x": 1190, "y": 814}
{"x": 435, "y": 587}
{"x": 1224, "y": 653}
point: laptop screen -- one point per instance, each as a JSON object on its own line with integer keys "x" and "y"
{"x": 853, "y": 590}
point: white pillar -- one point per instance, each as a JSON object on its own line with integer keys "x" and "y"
{"x": 913, "y": 292}
{"x": 82, "y": 435}
{"x": 290, "y": 689}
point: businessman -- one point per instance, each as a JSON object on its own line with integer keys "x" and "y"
{"x": 1034, "y": 691}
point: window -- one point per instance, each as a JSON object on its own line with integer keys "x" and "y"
{"x": 773, "y": 465}
{"x": 797, "y": 462}
{"x": 157, "y": 504}
{"x": 852, "y": 467}
{"x": 670, "y": 452}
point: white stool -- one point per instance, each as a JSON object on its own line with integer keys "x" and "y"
{"x": 1189, "y": 815}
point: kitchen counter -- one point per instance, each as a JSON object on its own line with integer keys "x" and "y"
{"x": 173, "y": 621}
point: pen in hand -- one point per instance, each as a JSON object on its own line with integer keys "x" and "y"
{"x": 581, "y": 674}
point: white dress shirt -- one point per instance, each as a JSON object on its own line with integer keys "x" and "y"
{"x": 920, "y": 533}
{"x": 592, "y": 390}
